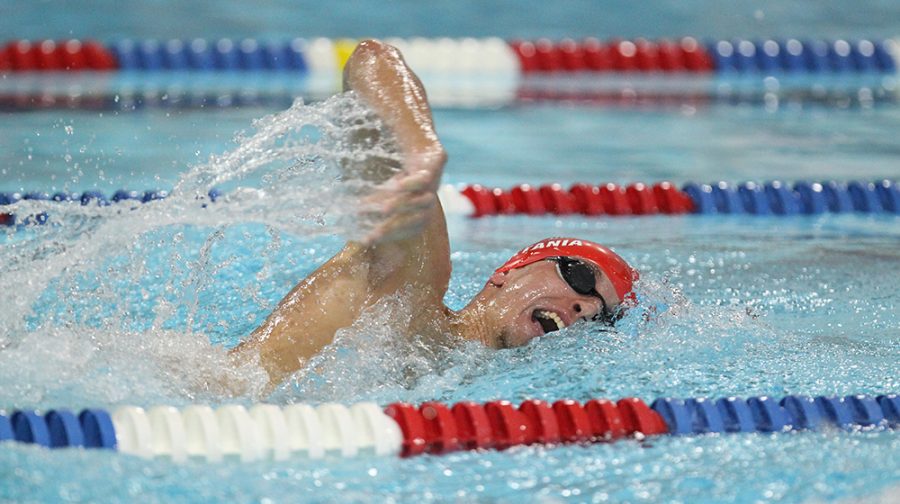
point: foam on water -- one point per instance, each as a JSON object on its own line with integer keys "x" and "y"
{"x": 110, "y": 305}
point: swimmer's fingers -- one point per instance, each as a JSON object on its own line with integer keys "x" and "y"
{"x": 396, "y": 208}
{"x": 408, "y": 203}
{"x": 400, "y": 218}
{"x": 416, "y": 182}
{"x": 387, "y": 201}
{"x": 421, "y": 174}
{"x": 397, "y": 186}
{"x": 398, "y": 227}
{"x": 423, "y": 169}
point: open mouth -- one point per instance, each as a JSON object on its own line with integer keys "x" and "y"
{"x": 548, "y": 320}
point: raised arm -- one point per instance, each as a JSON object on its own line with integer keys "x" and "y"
{"x": 407, "y": 249}
{"x": 410, "y": 245}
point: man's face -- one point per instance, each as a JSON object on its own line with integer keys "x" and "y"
{"x": 533, "y": 300}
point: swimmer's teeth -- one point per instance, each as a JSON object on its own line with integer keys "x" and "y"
{"x": 554, "y": 317}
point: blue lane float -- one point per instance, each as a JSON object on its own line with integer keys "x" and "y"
{"x": 705, "y": 416}
{"x": 98, "y": 429}
{"x": 890, "y": 406}
{"x": 29, "y": 427}
{"x": 837, "y": 197}
{"x": 247, "y": 55}
{"x": 754, "y": 199}
{"x": 802, "y": 198}
{"x": 767, "y": 414}
{"x": 889, "y": 195}
{"x": 64, "y": 428}
{"x": 6, "y": 430}
{"x": 801, "y": 56}
{"x": 865, "y": 410}
{"x": 736, "y": 415}
{"x": 803, "y": 412}
{"x": 834, "y": 411}
{"x": 864, "y": 197}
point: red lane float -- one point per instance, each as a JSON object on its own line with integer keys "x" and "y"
{"x": 585, "y": 199}
{"x": 435, "y": 428}
{"x": 411, "y": 423}
{"x": 671, "y": 200}
{"x": 53, "y": 56}
{"x": 606, "y": 421}
{"x": 71, "y": 55}
{"x": 527, "y": 201}
{"x": 441, "y": 433}
{"x": 543, "y": 426}
{"x": 507, "y": 424}
{"x": 574, "y": 424}
{"x": 21, "y": 56}
{"x": 642, "y": 199}
{"x": 98, "y": 57}
{"x": 637, "y": 417}
{"x": 473, "y": 426}
{"x": 597, "y": 55}
{"x": 614, "y": 200}
{"x": 639, "y": 55}
{"x": 557, "y": 200}
{"x": 527, "y": 54}
{"x": 572, "y": 55}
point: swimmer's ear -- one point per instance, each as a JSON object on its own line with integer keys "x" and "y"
{"x": 498, "y": 279}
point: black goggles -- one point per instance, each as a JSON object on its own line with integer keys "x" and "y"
{"x": 582, "y": 278}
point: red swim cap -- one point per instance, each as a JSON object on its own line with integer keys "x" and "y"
{"x": 616, "y": 269}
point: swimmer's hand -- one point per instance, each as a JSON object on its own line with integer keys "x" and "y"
{"x": 403, "y": 205}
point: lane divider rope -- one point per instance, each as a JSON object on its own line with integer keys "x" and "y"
{"x": 466, "y": 55}
{"x": 266, "y": 431}
{"x": 771, "y": 198}
{"x": 662, "y": 198}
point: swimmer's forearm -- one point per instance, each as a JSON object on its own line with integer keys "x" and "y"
{"x": 382, "y": 79}
{"x": 308, "y": 317}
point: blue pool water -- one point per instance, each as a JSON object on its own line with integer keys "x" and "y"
{"x": 122, "y": 308}
{"x": 78, "y": 150}
{"x": 104, "y": 19}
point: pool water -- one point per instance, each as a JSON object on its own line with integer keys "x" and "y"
{"x": 136, "y": 307}
{"x": 81, "y": 150}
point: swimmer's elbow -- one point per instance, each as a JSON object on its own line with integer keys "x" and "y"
{"x": 367, "y": 55}
{"x": 370, "y": 48}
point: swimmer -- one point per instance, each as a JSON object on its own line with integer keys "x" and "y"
{"x": 545, "y": 287}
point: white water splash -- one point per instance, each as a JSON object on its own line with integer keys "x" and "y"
{"x": 373, "y": 361}
{"x": 77, "y": 287}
